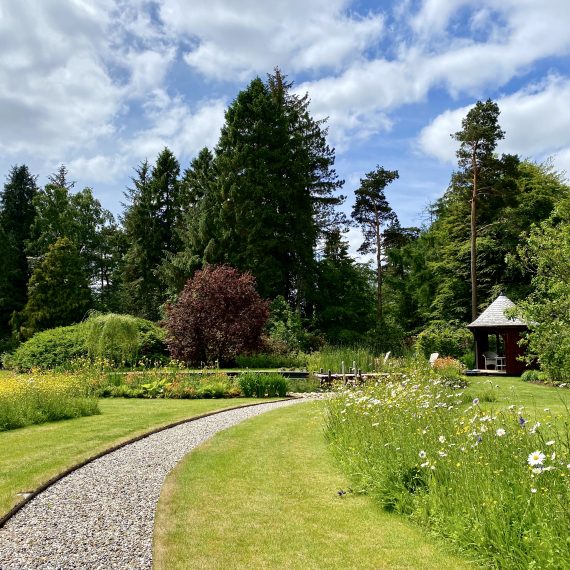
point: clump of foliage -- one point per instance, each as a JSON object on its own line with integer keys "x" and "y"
{"x": 116, "y": 339}
{"x": 165, "y": 383}
{"x": 285, "y": 334}
{"x": 218, "y": 315}
{"x": 262, "y": 385}
{"x": 448, "y": 339}
{"x": 26, "y": 400}
{"x": 54, "y": 348}
{"x": 123, "y": 339}
{"x": 449, "y": 368}
{"x": 487, "y": 480}
{"x": 530, "y": 376}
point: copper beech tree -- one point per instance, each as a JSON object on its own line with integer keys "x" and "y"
{"x": 219, "y": 314}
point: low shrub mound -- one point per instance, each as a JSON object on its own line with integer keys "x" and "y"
{"x": 117, "y": 340}
{"x": 54, "y": 348}
{"x": 26, "y": 400}
{"x": 490, "y": 481}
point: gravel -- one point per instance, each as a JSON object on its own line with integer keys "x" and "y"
{"x": 102, "y": 515}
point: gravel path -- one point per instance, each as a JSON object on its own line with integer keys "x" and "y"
{"x": 102, "y": 515}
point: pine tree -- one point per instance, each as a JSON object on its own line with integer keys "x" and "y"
{"x": 198, "y": 231}
{"x": 344, "y": 297}
{"x": 478, "y": 136}
{"x": 373, "y": 214}
{"x": 80, "y": 217}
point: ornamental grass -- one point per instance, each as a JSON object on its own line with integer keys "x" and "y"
{"x": 492, "y": 481}
{"x": 38, "y": 398}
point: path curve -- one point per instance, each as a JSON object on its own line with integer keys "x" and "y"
{"x": 102, "y": 515}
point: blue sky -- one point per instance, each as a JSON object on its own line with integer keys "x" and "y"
{"x": 100, "y": 86}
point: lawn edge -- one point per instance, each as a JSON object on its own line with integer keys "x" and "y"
{"x": 20, "y": 505}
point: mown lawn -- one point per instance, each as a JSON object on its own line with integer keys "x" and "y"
{"x": 265, "y": 495}
{"x": 513, "y": 391}
{"x": 32, "y": 455}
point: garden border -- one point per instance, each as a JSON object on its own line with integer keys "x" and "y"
{"x": 33, "y": 494}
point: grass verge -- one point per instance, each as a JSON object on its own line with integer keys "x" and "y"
{"x": 265, "y": 495}
{"x": 32, "y": 455}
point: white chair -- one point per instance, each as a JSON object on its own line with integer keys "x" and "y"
{"x": 433, "y": 357}
{"x": 490, "y": 360}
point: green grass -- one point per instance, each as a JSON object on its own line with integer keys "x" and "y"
{"x": 264, "y": 495}
{"x": 32, "y": 455}
{"x": 505, "y": 391}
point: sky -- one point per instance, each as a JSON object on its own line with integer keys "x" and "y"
{"x": 100, "y": 86}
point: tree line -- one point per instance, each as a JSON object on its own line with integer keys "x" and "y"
{"x": 266, "y": 200}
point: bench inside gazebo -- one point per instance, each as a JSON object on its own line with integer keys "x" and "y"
{"x": 497, "y": 339}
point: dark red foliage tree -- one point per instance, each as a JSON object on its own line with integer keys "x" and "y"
{"x": 218, "y": 315}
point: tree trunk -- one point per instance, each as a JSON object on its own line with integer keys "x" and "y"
{"x": 379, "y": 311}
{"x": 474, "y": 239}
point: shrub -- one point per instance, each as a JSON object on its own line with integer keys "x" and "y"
{"x": 449, "y": 339}
{"x": 63, "y": 347}
{"x": 54, "y": 348}
{"x": 218, "y": 315}
{"x": 449, "y": 368}
{"x": 530, "y": 376}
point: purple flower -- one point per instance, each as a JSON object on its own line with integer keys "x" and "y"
{"x": 522, "y": 421}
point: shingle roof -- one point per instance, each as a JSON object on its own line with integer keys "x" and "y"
{"x": 494, "y": 315}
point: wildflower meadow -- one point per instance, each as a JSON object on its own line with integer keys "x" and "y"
{"x": 37, "y": 398}
{"x": 492, "y": 481}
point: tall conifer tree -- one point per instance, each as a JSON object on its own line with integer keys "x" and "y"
{"x": 480, "y": 132}
{"x": 274, "y": 192}
{"x": 152, "y": 221}
{"x": 58, "y": 291}
{"x": 17, "y": 214}
{"x": 374, "y": 215}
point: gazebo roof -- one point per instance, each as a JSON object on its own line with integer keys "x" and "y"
{"x": 494, "y": 315}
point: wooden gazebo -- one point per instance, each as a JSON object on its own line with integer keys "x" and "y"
{"x": 493, "y": 322}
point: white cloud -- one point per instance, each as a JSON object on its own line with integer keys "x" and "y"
{"x": 99, "y": 167}
{"x": 55, "y": 92}
{"x": 536, "y": 121}
{"x": 237, "y": 39}
{"x": 174, "y": 124}
{"x": 522, "y": 33}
